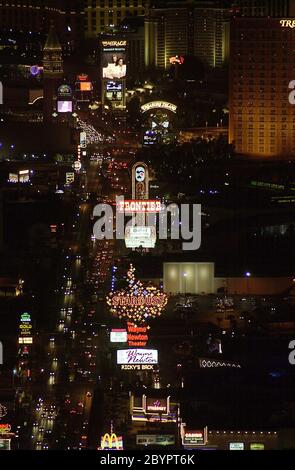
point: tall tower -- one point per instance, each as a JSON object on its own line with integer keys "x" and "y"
{"x": 52, "y": 72}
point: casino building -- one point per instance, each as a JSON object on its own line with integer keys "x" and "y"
{"x": 262, "y": 65}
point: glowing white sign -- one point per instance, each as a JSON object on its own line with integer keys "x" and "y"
{"x": 287, "y": 23}
{"x": 118, "y": 336}
{"x": 159, "y": 105}
{"x": 137, "y": 356}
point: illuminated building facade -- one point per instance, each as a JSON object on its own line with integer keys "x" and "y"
{"x": 193, "y": 278}
{"x": 273, "y": 8}
{"x": 262, "y": 120}
{"x": 35, "y": 16}
{"x": 53, "y": 72}
{"x": 200, "y": 29}
{"x": 102, "y": 14}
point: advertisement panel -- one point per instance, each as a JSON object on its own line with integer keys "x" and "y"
{"x": 64, "y": 106}
{"x": 137, "y": 356}
{"x": 118, "y": 336}
{"x": 24, "y": 176}
{"x": 114, "y": 73}
{"x": 115, "y": 91}
{"x": 155, "y": 440}
{"x": 236, "y": 446}
{"x": 140, "y": 237}
{"x": 5, "y": 444}
{"x": 13, "y": 178}
{"x": 195, "y": 438}
{"x": 114, "y": 59}
{"x": 257, "y": 446}
{"x": 70, "y": 178}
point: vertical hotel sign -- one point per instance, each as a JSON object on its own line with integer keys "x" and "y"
{"x": 114, "y": 73}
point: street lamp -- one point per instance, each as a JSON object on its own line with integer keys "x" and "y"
{"x": 248, "y": 275}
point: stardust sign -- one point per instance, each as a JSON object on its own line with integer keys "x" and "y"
{"x": 141, "y": 300}
{"x": 137, "y": 356}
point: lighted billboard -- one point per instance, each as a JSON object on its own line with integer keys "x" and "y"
{"x": 114, "y": 90}
{"x": 118, "y": 336}
{"x": 137, "y": 356}
{"x": 158, "y": 405}
{"x": 236, "y": 446}
{"x": 155, "y": 440}
{"x": 114, "y": 73}
{"x": 140, "y": 237}
{"x": 114, "y": 59}
{"x": 65, "y": 106}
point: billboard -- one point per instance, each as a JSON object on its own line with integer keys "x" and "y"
{"x": 137, "y": 356}
{"x": 195, "y": 438}
{"x": 114, "y": 91}
{"x": 236, "y": 446}
{"x": 155, "y": 440}
{"x": 70, "y": 178}
{"x": 141, "y": 206}
{"x": 13, "y": 178}
{"x": 114, "y": 59}
{"x": 257, "y": 446}
{"x": 65, "y": 106}
{"x": 24, "y": 176}
{"x": 140, "y": 237}
{"x": 114, "y": 73}
{"x": 86, "y": 86}
{"x": 118, "y": 336}
{"x": 5, "y": 444}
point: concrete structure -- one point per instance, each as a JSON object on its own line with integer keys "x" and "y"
{"x": 262, "y": 120}
{"x": 36, "y": 15}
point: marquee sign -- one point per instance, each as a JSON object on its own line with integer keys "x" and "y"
{"x": 137, "y": 335}
{"x": 139, "y": 206}
{"x": 137, "y": 356}
{"x": 137, "y": 303}
{"x": 159, "y": 405}
{"x": 25, "y": 329}
{"x": 158, "y": 105}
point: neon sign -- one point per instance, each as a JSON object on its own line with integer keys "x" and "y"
{"x": 137, "y": 336}
{"x": 137, "y": 303}
{"x": 287, "y": 23}
{"x": 159, "y": 105}
{"x": 139, "y": 206}
{"x": 137, "y": 356}
{"x": 111, "y": 442}
{"x": 5, "y": 428}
